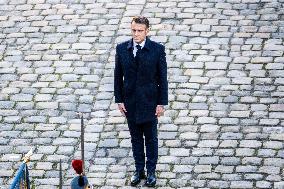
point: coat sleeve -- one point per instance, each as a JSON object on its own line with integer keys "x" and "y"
{"x": 162, "y": 79}
{"x": 118, "y": 78}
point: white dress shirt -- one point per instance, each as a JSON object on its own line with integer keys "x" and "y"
{"x": 135, "y": 48}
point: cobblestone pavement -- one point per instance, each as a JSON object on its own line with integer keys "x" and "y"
{"x": 223, "y": 127}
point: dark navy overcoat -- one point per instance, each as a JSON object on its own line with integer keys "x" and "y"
{"x": 141, "y": 86}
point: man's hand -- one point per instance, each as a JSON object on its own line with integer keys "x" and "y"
{"x": 121, "y": 108}
{"x": 159, "y": 110}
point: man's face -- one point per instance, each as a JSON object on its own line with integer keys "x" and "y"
{"x": 139, "y": 32}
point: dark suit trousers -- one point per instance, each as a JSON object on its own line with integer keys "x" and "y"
{"x": 138, "y": 132}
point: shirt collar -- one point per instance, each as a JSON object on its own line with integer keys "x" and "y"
{"x": 147, "y": 45}
{"x": 141, "y": 44}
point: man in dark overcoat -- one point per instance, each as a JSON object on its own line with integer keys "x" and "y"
{"x": 141, "y": 91}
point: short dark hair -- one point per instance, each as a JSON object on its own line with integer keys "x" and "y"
{"x": 141, "y": 20}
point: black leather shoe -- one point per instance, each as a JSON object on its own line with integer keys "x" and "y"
{"x": 136, "y": 178}
{"x": 151, "y": 180}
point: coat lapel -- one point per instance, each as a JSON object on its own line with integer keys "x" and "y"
{"x": 148, "y": 44}
{"x": 147, "y": 47}
{"x": 145, "y": 51}
{"x": 130, "y": 54}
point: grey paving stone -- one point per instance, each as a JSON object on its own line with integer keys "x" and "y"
{"x": 231, "y": 136}
{"x": 263, "y": 184}
{"x": 208, "y": 143}
{"x": 224, "y": 169}
{"x": 218, "y": 184}
{"x": 224, "y": 152}
{"x": 246, "y": 169}
{"x": 108, "y": 143}
{"x": 254, "y": 176}
{"x": 65, "y": 150}
{"x": 274, "y": 162}
{"x": 273, "y": 144}
{"x": 269, "y": 169}
{"x": 202, "y": 151}
{"x": 64, "y": 141}
{"x": 245, "y": 152}
{"x": 230, "y": 161}
{"x": 266, "y": 153}
{"x": 278, "y": 184}
{"x": 250, "y": 143}
{"x": 209, "y": 160}
{"x": 21, "y": 97}
{"x": 241, "y": 184}
{"x": 35, "y": 119}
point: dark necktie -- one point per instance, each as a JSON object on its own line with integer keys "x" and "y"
{"x": 138, "y": 49}
{"x": 138, "y": 52}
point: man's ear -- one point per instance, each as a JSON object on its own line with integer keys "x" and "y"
{"x": 147, "y": 30}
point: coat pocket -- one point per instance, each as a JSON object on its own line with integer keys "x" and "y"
{"x": 151, "y": 93}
